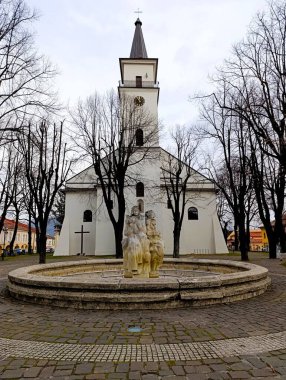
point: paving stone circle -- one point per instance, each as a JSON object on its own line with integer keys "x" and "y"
{"x": 238, "y": 341}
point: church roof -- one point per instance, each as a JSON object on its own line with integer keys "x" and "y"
{"x": 138, "y": 49}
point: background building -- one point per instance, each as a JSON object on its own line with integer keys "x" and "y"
{"x": 21, "y": 241}
{"x": 258, "y": 240}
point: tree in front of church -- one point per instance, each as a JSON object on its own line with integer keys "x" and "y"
{"x": 24, "y": 74}
{"x": 250, "y": 92}
{"x": 10, "y": 168}
{"x": 230, "y": 169}
{"x": 58, "y": 210}
{"x": 107, "y": 133}
{"x": 46, "y": 169}
{"x": 177, "y": 172}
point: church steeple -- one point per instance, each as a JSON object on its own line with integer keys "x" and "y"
{"x": 139, "y": 82}
{"x": 138, "y": 49}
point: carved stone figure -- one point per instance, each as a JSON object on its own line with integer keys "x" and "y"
{"x": 136, "y": 255}
{"x": 143, "y": 249}
{"x": 156, "y": 243}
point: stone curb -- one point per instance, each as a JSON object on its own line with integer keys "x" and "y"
{"x": 44, "y": 284}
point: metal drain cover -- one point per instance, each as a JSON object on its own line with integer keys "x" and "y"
{"x": 134, "y": 329}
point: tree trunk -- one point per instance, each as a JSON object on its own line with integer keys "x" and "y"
{"x": 279, "y": 229}
{"x": 118, "y": 242}
{"x": 247, "y": 235}
{"x": 283, "y": 241}
{"x": 272, "y": 247}
{"x": 42, "y": 255}
{"x": 42, "y": 246}
{"x": 14, "y": 232}
{"x": 236, "y": 240}
{"x": 225, "y": 231}
{"x": 30, "y": 248}
{"x": 243, "y": 242}
{"x": 176, "y": 241}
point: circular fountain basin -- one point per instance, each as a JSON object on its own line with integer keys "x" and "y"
{"x": 99, "y": 284}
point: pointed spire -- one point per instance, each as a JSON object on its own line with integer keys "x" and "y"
{"x": 138, "y": 49}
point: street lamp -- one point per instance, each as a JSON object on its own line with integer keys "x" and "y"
{"x": 5, "y": 231}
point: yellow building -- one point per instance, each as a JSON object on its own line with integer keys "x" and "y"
{"x": 258, "y": 240}
{"x": 264, "y": 239}
{"x": 21, "y": 241}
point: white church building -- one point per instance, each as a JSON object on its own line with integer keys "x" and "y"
{"x": 87, "y": 228}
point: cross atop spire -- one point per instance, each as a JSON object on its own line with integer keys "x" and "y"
{"x": 138, "y": 49}
{"x": 138, "y": 12}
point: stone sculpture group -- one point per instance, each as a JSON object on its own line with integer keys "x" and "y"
{"x": 143, "y": 248}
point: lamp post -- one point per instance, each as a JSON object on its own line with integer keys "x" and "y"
{"x": 5, "y": 231}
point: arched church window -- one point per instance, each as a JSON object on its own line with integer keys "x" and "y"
{"x": 139, "y": 137}
{"x": 139, "y": 189}
{"x": 193, "y": 213}
{"x": 140, "y": 204}
{"x": 87, "y": 216}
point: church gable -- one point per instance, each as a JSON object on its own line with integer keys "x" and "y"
{"x": 84, "y": 179}
{"x": 197, "y": 180}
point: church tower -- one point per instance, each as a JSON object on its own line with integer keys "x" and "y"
{"x": 139, "y": 77}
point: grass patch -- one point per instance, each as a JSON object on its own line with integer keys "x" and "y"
{"x": 20, "y": 257}
{"x": 171, "y": 363}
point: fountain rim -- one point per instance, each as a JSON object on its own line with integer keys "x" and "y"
{"x": 243, "y": 272}
{"x": 248, "y": 280}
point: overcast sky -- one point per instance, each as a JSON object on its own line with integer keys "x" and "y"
{"x": 85, "y": 38}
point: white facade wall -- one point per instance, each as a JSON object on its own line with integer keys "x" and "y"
{"x": 78, "y": 201}
{"x": 201, "y": 236}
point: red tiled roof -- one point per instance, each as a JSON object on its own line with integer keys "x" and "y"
{"x": 10, "y": 224}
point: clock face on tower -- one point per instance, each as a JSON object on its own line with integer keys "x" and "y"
{"x": 139, "y": 100}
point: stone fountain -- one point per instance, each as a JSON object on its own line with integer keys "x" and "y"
{"x": 134, "y": 282}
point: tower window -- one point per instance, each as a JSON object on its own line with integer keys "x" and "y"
{"x": 138, "y": 81}
{"x": 140, "y": 189}
{"x": 139, "y": 137}
{"x": 193, "y": 213}
{"x": 87, "y": 216}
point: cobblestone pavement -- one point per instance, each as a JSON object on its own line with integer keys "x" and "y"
{"x": 235, "y": 341}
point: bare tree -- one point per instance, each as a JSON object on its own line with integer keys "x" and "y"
{"x": 116, "y": 135}
{"x": 231, "y": 175}
{"x": 177, "y": 172}
{"x": 58, "y": 211}
{"x": 10, "y": 169}
{"x": 254, "y": 84}
{"x": 255, "y": 79}
{"x": 25, "y": 87}
{"x": 46, "y": 169}
{"x": 268, "y": 182}
{"x": 224, "y": 214}
{"x": 17, "y": 201}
